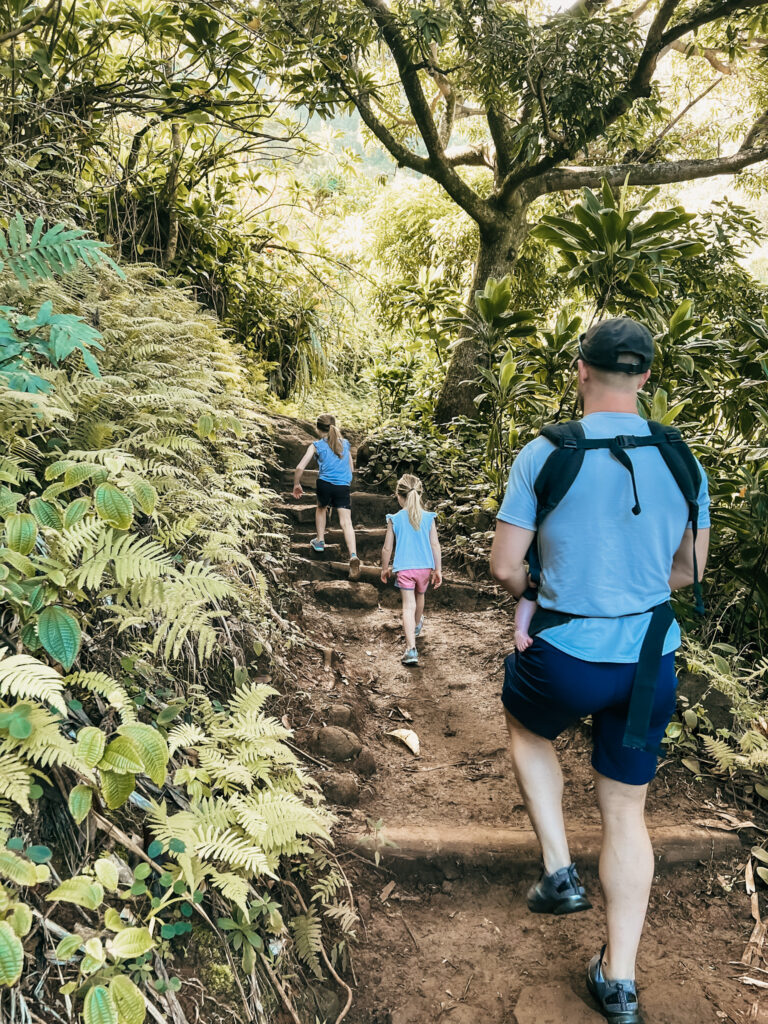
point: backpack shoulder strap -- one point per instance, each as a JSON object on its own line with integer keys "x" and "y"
{"x": 684, "y": 468}
{"x": 561, "y": 468}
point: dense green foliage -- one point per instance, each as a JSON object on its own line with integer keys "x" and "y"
{"x": 138, "y": 546}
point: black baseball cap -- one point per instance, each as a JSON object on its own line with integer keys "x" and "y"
{"x": 602, "y": 345}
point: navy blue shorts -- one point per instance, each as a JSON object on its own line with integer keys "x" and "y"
{"x": 333, "y": 495}
{"x": 547, "y": 691}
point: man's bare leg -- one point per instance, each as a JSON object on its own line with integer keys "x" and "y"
{"x": 626, "y": 872}
{"x": 541, "y": 785}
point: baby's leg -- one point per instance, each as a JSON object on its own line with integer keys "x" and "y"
{"x": 409, "y": 617}
{"x": 523, "y": 616}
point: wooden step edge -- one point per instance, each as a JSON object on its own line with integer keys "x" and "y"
{"x": 482, "y": 846}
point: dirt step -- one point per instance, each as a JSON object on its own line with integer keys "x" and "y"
{"x": 503, "y": 849}
{"x": 453, "y": 593}
{"x": 369, "y": 542}
{"x": 367, "y": 507}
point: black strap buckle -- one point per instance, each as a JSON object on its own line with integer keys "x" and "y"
{"x": 568, "y": 442}
{"x": 625, "y": 441}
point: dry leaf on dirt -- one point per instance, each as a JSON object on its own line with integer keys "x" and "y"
{"x": 408, "y": 737}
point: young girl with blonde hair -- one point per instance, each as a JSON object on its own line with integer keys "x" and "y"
{"x": 334, "y": 475}
{"x": 418, "y": 559}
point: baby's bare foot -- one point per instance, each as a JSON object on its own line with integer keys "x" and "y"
{"x": 522, "y": 640}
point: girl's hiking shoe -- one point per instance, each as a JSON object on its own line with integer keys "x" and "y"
{"x": 419, "y": 626}
{"x": 411, "y": 657}
{"x": 354, "y": 568}
{"x": 617, "y": 999}
{"x": 317, "y": 545}
{"x": 558, "y": 893}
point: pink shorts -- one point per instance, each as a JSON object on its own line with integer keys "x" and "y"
{"x": 414, "y": 579}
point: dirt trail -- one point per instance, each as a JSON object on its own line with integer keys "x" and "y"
{"x": 446, "y": 934}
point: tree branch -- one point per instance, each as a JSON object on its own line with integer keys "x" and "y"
{"x": 706, "y": 52}
{"x": 760, "y": 127}
{"x": 436, "y": 166}
{"x": 27, "y": 25}
{"x": 470, "y": 156}
{"x": 705, "y": 14}
{"x": 566, "y": 178}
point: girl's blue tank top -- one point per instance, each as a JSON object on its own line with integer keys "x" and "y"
{"x": 333, "y": 468}
{"x": 412, "y": 547}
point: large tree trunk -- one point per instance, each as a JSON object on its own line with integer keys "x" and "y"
{"x": 496, "y": 257}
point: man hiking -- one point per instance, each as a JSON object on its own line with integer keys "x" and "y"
{"x": 617, "y": 511}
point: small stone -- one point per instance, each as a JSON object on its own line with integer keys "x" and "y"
{"x": 447, "y": 887}
{"x": 339, "y": 714}
{"x": 337, "y": 744}
{"x": 341, "y": 788}
{"x": 366, "y": 762}
{"x": 344, "y": 594}
{"x": 364, "y": 906}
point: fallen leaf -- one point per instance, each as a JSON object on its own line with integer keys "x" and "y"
{"x": 692, "y": 764}
{"x": 408, "y": 737}
{"x": 386, "y": 892}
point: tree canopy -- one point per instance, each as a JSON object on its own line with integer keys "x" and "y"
{"x": 543, "y": 102}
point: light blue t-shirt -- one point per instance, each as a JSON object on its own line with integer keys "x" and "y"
{"x": 412, "y": 547}
{"x": 598, "y": 558}
{"x": 333, "y": 468}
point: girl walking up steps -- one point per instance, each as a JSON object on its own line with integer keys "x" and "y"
{"x": 418, "y": 559}
{"x": 335, "y": 470}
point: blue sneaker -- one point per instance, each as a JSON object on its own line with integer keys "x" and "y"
{"x": 558, "y": 893}
{"x": 419, "y": 626}
{"x": 317, "y": 545}
{"x": 411, "y": 657}
{"x": 617, "y": 999}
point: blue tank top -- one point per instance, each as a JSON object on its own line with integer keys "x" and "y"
{"x": 412, "y": 547}
{"x": 333, "y": 468}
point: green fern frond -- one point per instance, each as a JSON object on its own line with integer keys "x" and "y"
{"x": 27, "y": 678}
{"x": 233, "y": 848}
{"x": 720, "y": 752}
{"x": 308, "y": 937}
{"x": 45, "y": 254}
{"x": 16, "y": 776}
{"x": 232, "y": 887}
{"x": 106, "y": 687}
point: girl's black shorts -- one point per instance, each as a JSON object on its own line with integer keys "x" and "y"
{"x": 333, "y": 495}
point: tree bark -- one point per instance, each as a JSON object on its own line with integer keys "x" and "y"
{"x": 172, "y": 185}
{"x": 496, "y": 257}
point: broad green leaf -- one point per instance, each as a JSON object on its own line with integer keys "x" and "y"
{"x": 21, "y": 919}
{"x": 152, "y": 748}
{"x": 112, "y": 920}
{"x": 130, "y": 1003}
{"x": 122, "y": 755}
{"x": 205, "y": 426}
{"x": 80, "y": 890}
{"x": 145, "y": 496}
{"x": 99, "y": 1007}
{"x": 59, "y": 633}
{"x": 130, "y": 943}
{"x": 21, "y": 532}
{"x": 68, "y": 946}
{"x": 11, "y": 955}
{"x": 116, "y": 787}
{"x": 107, "y": 873}
{"x": 90, "y": 747}
{"x": 16, "y": 869}
{"x": 113, "y": 506}
{"x": 75, "y": 511}
{"x": 46, "y": 513}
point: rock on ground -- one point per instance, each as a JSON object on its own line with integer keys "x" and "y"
{"x": 337, "y": 744}
{"x": 341, "y": 788}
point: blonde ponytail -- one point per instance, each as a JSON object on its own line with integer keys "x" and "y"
{"x": 326, "y": 422}
{"x": 409, "y": 487}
